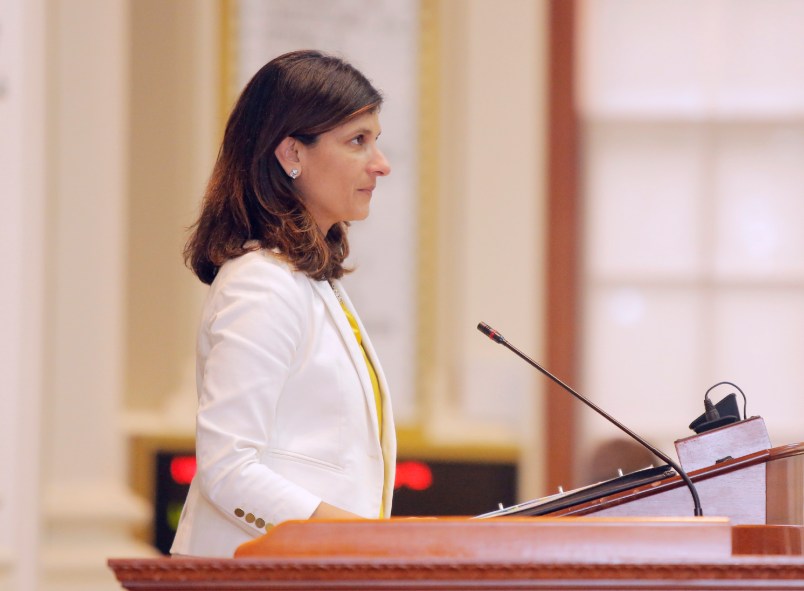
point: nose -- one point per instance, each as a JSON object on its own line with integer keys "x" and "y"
{"x": 380, "y": 165}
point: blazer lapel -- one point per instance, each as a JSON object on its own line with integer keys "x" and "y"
{"x": 388, "y": 440}
{"x": 350, "y": 342}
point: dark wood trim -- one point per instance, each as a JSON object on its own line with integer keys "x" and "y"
{"x": 564, "y": 236}
{"x": 743, "y": 572}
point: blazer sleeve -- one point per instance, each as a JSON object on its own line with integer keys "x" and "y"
{"x": 252, "y": 326}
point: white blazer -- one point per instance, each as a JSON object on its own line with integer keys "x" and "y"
{"x": 286, "y": 411}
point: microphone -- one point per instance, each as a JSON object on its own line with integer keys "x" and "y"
{"x": 498, "y": 338}
{"x": 723, "y": 413}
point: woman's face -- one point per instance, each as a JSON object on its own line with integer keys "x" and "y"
{"x": 339, "y": 172}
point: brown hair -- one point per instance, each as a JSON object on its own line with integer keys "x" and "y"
{"x": 249, "y": 197}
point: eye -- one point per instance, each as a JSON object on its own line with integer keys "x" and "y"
{"x": 359, "y": 140}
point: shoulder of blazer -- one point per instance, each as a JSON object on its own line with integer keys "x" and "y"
{"x": 260, "y": 272}
{"x": 253, "y": 260}
{"x": 261, "y": 265}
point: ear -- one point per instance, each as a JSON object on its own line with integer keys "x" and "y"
{"x": 288, "y": 154}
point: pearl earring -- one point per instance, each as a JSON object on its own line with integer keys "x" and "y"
{"x": 294, "y": 172}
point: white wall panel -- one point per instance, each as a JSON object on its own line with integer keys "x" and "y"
{"x": 694, "y": 194}
{"x": 692, "y": 57}
{"x": 760, "y": 347}
{"x": 760, "y": 44}
{"x": 759, "y": 202}
{"x": 641, "y": 352}
{"x": 645, "y": 57}
{"x": 640, "y": 178}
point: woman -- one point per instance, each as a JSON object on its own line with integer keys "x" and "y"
{"x": 294, "y": 419}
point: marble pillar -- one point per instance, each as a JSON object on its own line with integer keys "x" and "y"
{"x": 88, "y": 511}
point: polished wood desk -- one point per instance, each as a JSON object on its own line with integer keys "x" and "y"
{"x": 757, "y": 544}
{"x": 452, "y": 554}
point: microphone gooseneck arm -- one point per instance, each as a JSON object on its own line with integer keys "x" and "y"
{"x": 498, "y": 338}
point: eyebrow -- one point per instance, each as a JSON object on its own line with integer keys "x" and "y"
{"x": 364, "y": 131}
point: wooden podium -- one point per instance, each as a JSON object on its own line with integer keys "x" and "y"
{"x": 623, "y": 534}
{"x": 758, "y": 486}
{"x": 506, "y": 553}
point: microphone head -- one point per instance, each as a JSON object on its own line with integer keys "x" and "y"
{"x": 490, "y": 332}
{"x": 717, "y": 415}
{"x": 712, "y": 413}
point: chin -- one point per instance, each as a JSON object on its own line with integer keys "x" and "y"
{"x": 360, "y": 215}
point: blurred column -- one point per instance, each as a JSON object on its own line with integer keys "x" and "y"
{"x": 22, "y": 83}
{"x": 175, "y": 85}
{"x": 489, "y": 246}
{"x": 89, "y": 513}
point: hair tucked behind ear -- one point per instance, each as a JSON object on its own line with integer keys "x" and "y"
{"x": 249, "y": 197}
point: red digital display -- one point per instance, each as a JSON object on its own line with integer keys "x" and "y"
{"x": 413, "y": 475}
{"x": 182, "y": 469}
{"x": 410, "y": 474}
